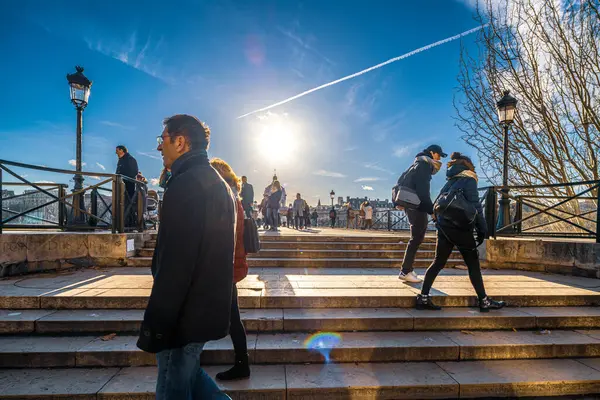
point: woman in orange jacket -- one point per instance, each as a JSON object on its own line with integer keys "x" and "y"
{"x": 241, "y": 369}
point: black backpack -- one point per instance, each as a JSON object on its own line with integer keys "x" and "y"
{"x": 454, "y": 207}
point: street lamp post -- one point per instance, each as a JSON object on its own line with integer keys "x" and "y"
{"x": 506, "y": 114}
{"x": 80, "y": 93}
{"x": 332, "y": 195}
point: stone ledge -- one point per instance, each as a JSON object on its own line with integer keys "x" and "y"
{"x": 42, "y": 252}
{"x": 576, "y": 258}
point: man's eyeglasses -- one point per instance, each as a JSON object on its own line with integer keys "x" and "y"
{"x": 160, "y": 140}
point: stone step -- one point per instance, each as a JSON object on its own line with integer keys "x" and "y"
{"x": 342, "y": 262}
{"x": 365, "y": 381}
{"x": 349, "y": 238}
{"x": 45, "y": 322}
{"x": 300, "y": 348}
{"x": 397, "y": 254}
{"x": 317, "y": 262}
{"x": 270, "y": 244}
{"x": 341, "y": 245}
{"x": 271, "y": 287}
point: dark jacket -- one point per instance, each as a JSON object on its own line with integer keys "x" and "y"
{"x": 128, "y": 166}
{"x": 418, "y": 178}
{"x": 193, "y": 260}
{"x": 274, "y": 199}
{"x": 247, "y": 194}
{"x": 469, "y": 187}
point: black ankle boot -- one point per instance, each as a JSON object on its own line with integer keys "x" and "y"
{"x": 240, "y": 370}
{"x": 425, "y": 303}
{"x": 486, "y": 304}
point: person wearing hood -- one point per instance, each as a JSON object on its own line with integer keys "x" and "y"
{"x": 454, "y": 232}
{"x": 418, "y": 178}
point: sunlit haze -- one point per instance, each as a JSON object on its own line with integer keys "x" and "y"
{"x": 336, "y": 95}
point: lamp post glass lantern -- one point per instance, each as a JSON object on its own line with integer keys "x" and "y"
{"x": 332, "y": 195}
{"x": 506, "y": 106}
{"x": 80, "y": 86}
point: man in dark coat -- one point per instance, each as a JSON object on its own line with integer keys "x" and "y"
{"x": 128, "y": 166}
{"x": 192, "y": 265}
{"x": 418, "y": 178}
{"x": 247, "y": 195}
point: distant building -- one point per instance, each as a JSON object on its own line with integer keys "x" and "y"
{"x": 355, "y": 202}
{"x": 340, "y": 201}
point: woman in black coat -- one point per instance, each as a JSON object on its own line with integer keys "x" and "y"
{"x": 450, "y": 233}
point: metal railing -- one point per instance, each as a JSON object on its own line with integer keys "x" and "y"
{"x": 49, "y": 206}
{"x": 543, "y": 211}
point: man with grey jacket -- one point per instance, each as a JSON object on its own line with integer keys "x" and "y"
{"x": 418, "y": 178}
{"x": 299, "y": 206}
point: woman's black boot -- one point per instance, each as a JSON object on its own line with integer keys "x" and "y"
{"x": 486, "y": 304}
{"x": 240, "y": 370}
{"x": 424, "y": 303}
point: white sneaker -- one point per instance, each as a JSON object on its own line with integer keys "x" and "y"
{"x": 411, "y": 277}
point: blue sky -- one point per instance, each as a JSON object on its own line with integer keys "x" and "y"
{"x": 218, "y": 60}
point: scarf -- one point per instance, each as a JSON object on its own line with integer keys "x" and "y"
{"x": 435, "y": 164}
{"x": 468, "y": 174}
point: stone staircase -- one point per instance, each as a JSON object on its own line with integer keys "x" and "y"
{"x": 308, "y": 251}
{"x": 73, "y": 335}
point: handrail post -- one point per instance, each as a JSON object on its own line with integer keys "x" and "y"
{"x": 115, "y": 208}
{"x": 140, "y": 207}
{"x": 119, "y": 202}
{"x": 94, "y": 207}
{"x": 389, "y": 220}
{"x": 61, "y": 207}
{"x": 490, "y": 212}
{"x": 519, "y": 214}
{"x": 598, "y": 213}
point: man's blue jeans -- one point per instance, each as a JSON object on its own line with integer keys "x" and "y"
{"x": 180, "y": 376}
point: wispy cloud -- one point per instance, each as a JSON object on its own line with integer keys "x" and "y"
{"x": 401, "y": 151}
{"x": 132, "y": 53}
{"x": 102, "y": 167}
{"x": 74, "y": 163}
{"x": 351, "y": 148}
{"x": 375, "y": 166}
{"x": 154, "y": 181}
{"x": 304, "y": 44}
{"x": 151, "y": 155}
{"x": 369, "y": 179}
{"x": 364, "y": 71}
{"x": 96, "y": 177}
{"x": 389, "y": 126}
{"x": 367, "y": 188}
{"x": 330, "y": 174}
{"x": 117, "y": 125}
{"x": 406, "y": 149}
{"x": 44, "y": 182}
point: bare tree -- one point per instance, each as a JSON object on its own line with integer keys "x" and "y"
{"x": 546, "y": 52}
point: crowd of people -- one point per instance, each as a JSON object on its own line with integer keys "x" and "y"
{"x": 200, "y": 252}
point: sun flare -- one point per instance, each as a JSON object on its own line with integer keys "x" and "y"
{"x": 277, "y": 139}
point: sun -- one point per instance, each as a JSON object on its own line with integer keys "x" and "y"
{"x": 277, "y": 140}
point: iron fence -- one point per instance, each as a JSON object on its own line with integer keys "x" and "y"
{"x": 114, "y": 203}
{"x": 567, "y": 210}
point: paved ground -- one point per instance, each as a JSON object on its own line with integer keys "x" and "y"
{"x": 300, "y": 282}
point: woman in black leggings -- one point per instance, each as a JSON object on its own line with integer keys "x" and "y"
{"x": 450, "y": 233}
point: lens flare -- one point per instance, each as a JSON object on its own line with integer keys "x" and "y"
{"x": 323, "y": 342}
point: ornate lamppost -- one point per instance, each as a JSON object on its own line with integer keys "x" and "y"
{"x": 80, "y": 93}
{"x": 506, "y": 106}
{"x": 332, "y": 195}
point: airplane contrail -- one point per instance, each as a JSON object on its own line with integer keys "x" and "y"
{"x": 364, "y": 71}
